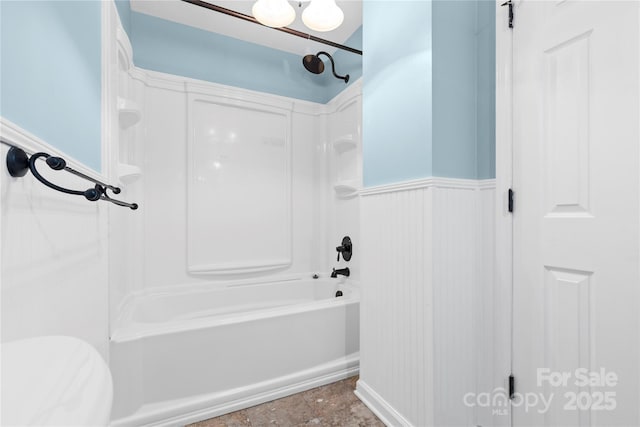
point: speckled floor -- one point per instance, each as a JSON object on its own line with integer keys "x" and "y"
{"x": 329, "y": 405}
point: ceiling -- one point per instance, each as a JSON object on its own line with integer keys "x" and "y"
{"x": 195, "y": 16}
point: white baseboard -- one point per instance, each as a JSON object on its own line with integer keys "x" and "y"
{"x": 380, "y": 407}
{"x": 197, "y": 408}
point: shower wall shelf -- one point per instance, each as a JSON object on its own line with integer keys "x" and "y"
{"x": 344, "y": 143}
{"x": 129, "y": 112}
{"x": 346, "y": 189}
{"x": 128, "y": 173}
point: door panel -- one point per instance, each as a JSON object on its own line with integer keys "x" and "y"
{"x": 576, "y": 238}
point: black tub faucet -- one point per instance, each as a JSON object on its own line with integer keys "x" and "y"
{"x": 342, "y": 271}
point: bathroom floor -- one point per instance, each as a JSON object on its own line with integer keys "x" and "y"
{"x": 329, "y": 405}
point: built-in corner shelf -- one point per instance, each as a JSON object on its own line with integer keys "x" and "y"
{"x": 128, "y": 173}
{"x": 344, "y": 143}
{"x": 346, "y": 189}
{"x": 129, "y": 112}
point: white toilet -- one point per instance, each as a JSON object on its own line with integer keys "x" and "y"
{"x": 54, "y": 380}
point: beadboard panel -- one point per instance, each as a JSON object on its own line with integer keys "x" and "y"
{"x": 396, "y": 353}
{"x": 455, "y": 291}
{"x": 484, "y": 331}
{"x": 426, "y": 294}
{"x": 54, "y": 251}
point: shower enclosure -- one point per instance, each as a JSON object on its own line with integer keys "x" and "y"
{"x": 244, "y": 197}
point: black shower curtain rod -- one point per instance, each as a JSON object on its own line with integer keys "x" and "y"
{"x": 287, "y": 30}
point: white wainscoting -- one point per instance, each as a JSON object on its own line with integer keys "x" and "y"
{"x": 396, "y": 335}
{"x": 54, "y": 252}
{"x": 425, "y": 309}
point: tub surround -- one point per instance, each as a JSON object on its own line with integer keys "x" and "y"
{"x": 313, "y": 167}
{"x": 226, "y": 234}
{"x": 170, "y": 290}
{"x": 317, "y": 213}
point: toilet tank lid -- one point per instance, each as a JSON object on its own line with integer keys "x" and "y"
{"x": 54, "y": 380}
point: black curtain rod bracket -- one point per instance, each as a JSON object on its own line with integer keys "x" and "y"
{"x": 18, "y": 163}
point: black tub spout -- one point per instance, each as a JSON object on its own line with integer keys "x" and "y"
{"x": 341, "y": 271}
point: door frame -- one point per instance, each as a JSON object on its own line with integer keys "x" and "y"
{"x": 503, "y": 277}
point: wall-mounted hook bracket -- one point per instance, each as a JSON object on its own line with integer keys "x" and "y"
{"x": 18, "y": 163}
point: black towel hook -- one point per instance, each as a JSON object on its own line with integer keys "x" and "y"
{"x": 18, "y": 163}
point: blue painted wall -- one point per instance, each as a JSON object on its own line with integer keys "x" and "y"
{"x": 397, "y": 107}
{"x": 50, "y": 77}
{"x": 486, "y": 102}
{"x": 454, "y": 89}
{"x": 124, "y": 11}
{"x": 448, "y": 128}
{"x": 346, "y": 63}
{"x": 173, "y": 48}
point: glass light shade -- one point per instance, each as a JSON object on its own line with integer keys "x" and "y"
{"x": 274, "y": 13}
{"x": 322, "y": 15}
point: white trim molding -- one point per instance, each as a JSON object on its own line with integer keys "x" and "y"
{"x": 13, "y": 134}
{"x": 503, "y": 264}
{"x": 380, "y": 407}
{"x": 430, "y": 182}
{"x": 181, "y": 84}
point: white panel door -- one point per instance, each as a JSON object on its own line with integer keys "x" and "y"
{"x": 576, "y": 219}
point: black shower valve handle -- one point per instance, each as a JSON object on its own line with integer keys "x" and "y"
{"x": 346, "y": 249}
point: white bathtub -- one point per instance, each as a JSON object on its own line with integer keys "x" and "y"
{"x": 182, "y": 357}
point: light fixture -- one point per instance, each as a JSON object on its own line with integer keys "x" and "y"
{"x": 322, "y": 15}
{"x": 274, "y": 13}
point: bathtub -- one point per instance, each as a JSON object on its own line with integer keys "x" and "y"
{"x": 180, "y": 357}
